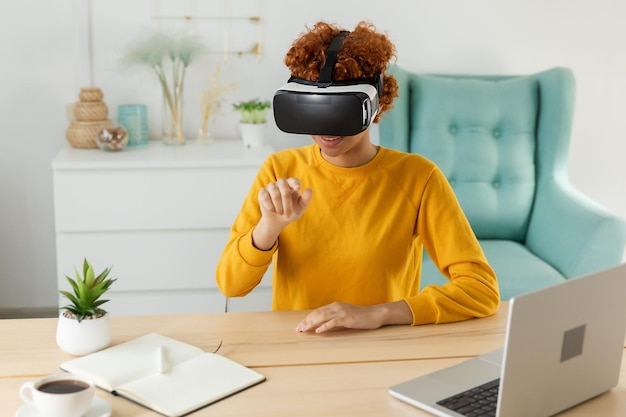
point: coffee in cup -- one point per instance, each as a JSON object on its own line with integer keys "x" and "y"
{"x": 61, "y": 395}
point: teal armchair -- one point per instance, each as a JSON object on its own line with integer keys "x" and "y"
{"x": 502, "y": 142}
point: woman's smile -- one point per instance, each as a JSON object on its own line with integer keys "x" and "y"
{"x": 330, "y": 138}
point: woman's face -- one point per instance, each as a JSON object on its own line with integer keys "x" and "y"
{"x": 347, "y": 151}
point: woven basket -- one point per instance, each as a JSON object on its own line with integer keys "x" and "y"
{"x": 82, "y": 134}
{"x": 90, "y": 94}
{"x": 91, "y": 111}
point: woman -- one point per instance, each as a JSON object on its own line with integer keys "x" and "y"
{"x": 345, "y": 221}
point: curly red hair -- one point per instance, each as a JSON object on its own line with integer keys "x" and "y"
{"x": 365, "y": 53}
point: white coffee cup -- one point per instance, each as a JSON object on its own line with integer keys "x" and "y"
{"x": 60, "y": 395}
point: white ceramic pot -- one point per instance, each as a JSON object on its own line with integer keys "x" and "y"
{"x": 253, "y": 134}
{"x": 85, "y": 337}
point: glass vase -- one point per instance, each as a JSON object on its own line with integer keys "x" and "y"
{"x": 205, "y": 136}
{"x": 173, "y": 116}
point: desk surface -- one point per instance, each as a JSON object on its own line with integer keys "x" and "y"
{"x": 342, "y": 373}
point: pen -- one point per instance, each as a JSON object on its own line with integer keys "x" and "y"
{"x": 161, "y": 360}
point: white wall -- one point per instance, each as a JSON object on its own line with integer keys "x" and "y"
{"x": 42, "y": 70}
{"x": 36, "y": 78}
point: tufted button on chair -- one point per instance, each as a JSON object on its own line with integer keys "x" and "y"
{"x": 502, "y": 142}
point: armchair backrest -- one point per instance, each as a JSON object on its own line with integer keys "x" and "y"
{"x": 494, "y": 137}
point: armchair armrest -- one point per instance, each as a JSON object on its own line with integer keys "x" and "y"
{"x": 573, "y": 233}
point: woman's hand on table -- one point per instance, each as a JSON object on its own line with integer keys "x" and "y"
{"x": 352, "y": 316}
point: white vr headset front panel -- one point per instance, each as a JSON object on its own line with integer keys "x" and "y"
{"x": 368, "y": 89}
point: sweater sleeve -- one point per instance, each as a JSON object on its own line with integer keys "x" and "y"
{"x": 450, "y": 241}
{"x": 241, "y": 266}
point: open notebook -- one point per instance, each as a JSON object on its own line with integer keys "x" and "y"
{"x": 168, "y": 376}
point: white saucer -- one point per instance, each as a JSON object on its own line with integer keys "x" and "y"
{"x": 99, "y": 408}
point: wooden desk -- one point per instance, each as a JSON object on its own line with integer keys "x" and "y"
{"x": 343, "y": 373}
{"x": 260, "y": 339}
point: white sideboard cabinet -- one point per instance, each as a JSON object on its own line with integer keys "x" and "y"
{"x": 160, "y": 216}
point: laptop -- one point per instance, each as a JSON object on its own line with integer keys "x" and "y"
{"x": 564, "y": 345}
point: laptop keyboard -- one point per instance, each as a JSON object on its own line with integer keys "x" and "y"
{"x": 476, "y": 402}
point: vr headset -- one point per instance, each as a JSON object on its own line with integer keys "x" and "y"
{"x": 326, "y": 107}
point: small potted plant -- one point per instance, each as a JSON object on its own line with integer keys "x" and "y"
{"x": 84, "y": 327}
{"x": 253, "y": 121}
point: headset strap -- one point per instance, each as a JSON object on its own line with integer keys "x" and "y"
{"x": 326, "y": 73}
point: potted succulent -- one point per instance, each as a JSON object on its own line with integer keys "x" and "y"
{"x": 253, "y": 121}
{"x": 84, "y": 327}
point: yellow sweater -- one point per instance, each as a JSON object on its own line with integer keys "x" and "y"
{"x": 360, "y": 240}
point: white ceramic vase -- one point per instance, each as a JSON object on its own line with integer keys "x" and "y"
{"x": 253, "y": 134}
{"x": 85, "y": 337}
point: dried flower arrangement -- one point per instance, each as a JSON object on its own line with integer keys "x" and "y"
{"x": 162, "y": 52}
{"x": 210, "y": 100}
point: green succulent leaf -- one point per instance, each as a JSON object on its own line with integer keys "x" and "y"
{"x": 70, "y": 297}
{"x": 83, "y": 291}
{"x": 73, "y": 284}
{"x": 89, "y": 277}
{"x": 70, "y": 308}
{"x": 100, "y": 311}
{"x": 99, "y": 303}
{"x": 100, "y": 278}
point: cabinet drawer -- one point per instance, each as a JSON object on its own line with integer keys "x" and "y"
{"x": 132, "y": 303}
{"x": 144, "y": 199}
{"x": 150, "y": 260}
